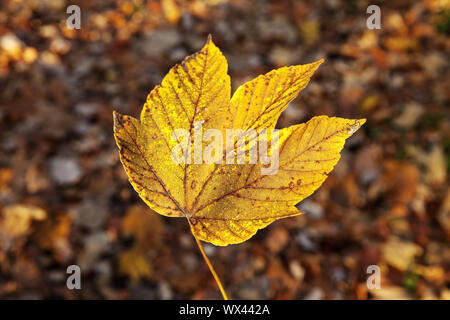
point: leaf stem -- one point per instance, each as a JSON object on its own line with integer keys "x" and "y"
{"x": 211, "y": 268}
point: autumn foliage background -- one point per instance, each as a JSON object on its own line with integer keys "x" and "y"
{"x": 65, "y": 198}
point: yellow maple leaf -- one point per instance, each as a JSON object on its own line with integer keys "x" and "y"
{"x": 226, "y": 203}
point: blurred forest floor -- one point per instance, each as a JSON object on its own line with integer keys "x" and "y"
{"x": 65, "y": 198}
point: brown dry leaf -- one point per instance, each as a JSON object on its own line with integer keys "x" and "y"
{"x": 54, "y": 236}
{"x": 444, "y": 214}
{"x": 434, "y": 274}
{"x": 15, "y": 220}
{"x": 310, "y": 31}
{"x": 6, "y": 176}
{"x": 445, "y": 294}
{"x": 391, "y": 293}
{"x": 400, "y": 181}
{"x": 409, "y": 116}
{"x": 434, "y": 162}
{"x": 277, "y": 239}
{"x": 134, "y": 263}
{"x": 283, "y": 283}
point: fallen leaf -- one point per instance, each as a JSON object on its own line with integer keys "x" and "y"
{"x": 277, "y": 239}
{"x": 434, "y": 274}
{"x": 400, "y": 181}
{"x": 171, "y": 11}
{"x": 310, "y": 31}
{"x": 434, "y": 162}
{"x": 144, "y": 226}
{"x": 15, "y": 220}
{"x": 409, "y": 116}
{"x": 6, "y": 177}
{"x": 134, "y": 263}
{"x": 445, "y": 294}
{"x": 226, "y": 203}
{"x": 400, "y": 254}
{"x": 391, "y": 293}
{"x": 146, "y": 229}
{"x": 54, "y": 235}
{"x": 444, "y": 214}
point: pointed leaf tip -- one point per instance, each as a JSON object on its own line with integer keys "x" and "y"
{"x": 356, "y": 125}
{"x": 209, "y": 43}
